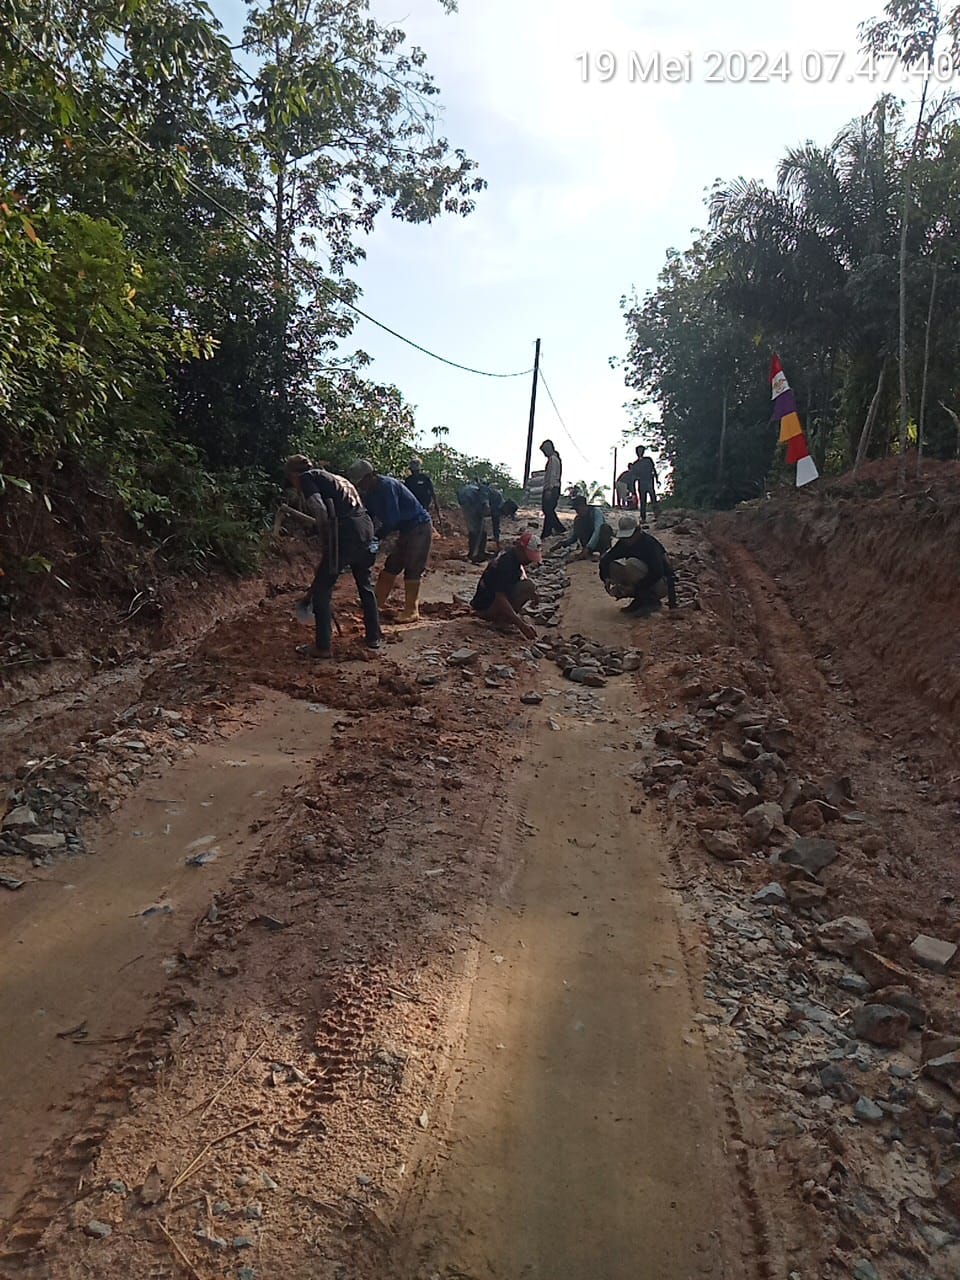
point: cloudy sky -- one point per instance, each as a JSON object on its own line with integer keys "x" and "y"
{"x": 589, "y": 185}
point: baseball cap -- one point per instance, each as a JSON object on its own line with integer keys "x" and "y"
{"x": 359, "y": 470}
{"x": 626, "y": 527}
{"x": 529, "y": 545}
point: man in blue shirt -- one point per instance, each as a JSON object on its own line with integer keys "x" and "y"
{"x": 589, "y": 529}
{"x": 394, "y": 509}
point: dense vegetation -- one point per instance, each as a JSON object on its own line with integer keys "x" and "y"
{"x": 178, "y": 218}
{"x": 812, "y": 268}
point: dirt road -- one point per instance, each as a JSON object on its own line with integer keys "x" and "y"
{"x": 585, "y": 1139}
{"x": 488, "y": 990}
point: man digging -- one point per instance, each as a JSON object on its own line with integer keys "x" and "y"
{"x": 346, "y": 541}
{"x": 396, "y": 511}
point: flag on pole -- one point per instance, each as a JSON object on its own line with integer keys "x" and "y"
{"x": 791, "y": 430}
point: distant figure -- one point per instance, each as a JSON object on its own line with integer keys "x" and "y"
{"x": 421, "y": 486}
{"x": 504, "y": 590}
{"x": 637, "y": 566}
{"x": 474, "y": 499}
{"x": 395, "y": 510}
{"x": 590, "y": 529}
{"x": 552, "y": 480}
{"x": 621, "y": 490}
{"x": 644, "y": 477}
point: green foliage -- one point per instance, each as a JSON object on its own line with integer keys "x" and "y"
{"x": 172, "y": 264}
{"x": 808, "y": 268}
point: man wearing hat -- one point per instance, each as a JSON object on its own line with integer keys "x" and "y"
{"x": 590, "y": 528}
{"x": 504, "y": 590}
{"x": 421, "y": 486}
{"x": 637, "y": 566}
{"x": 394, "y": 509}
{"x": 347, "y": 542}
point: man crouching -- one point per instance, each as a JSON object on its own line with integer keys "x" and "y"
{"x": 637, "y": 567}
{"x": 504, "y": 590}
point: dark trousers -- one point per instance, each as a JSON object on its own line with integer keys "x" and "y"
{"x": 644, "y": 495}
{"x": 322, "y": 592}
{"x": 551, "y": 523}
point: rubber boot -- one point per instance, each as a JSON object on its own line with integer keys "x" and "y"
{"x": 384, "y": 586}
{"x": 411, "y": 612}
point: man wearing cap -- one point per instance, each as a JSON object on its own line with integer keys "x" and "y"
{"x": 421, "y": 486}
{"x": 504, "y": 589}
{"x": 395, "y": 510}
{"x": 637, "y": 566}
{"x": 347, "y": 542}
{"x": 590, "y": 529}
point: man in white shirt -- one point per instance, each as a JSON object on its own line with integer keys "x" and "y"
{"x": 552, "y": 478}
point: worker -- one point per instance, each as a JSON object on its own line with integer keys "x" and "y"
{"x": 396, "y": 511}
{"x": 421, "y": 486}
{"x": 644, "y": 481}
{"x": 504, "y": 590}
{"x": 552, "y": 480}
{"x": 625, "y": 490}
{"x": 637, "y": 567}
{"x": 474, "y": 499}
{"x": 347, "y": 541}
{"x": 590, "y": 529}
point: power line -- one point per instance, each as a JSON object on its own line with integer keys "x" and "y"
{"x": 260, "y": 236}
{"x": 560, "y": 416}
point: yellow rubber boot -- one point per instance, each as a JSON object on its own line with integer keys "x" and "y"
{"x": 384, "y": 586}
{"x": 411, "y": 611}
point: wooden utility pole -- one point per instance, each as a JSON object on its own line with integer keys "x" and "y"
{"x": 613, "y": 492}
{"x": 533, "y": 414}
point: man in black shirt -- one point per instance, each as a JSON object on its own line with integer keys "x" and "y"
{"x": 421, "y": 486}
{"x": 637, "y": 565}
{"x": 347, "y": 542}
{"x": 644, "y": 480}
{"x": 504, "y": 589}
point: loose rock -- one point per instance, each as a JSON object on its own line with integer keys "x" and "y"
{"x": 771, "y": 895}
{"x": 933, "y": 953}
{"x": 881, "y": 1025}
{"x": 811, "y": 855}
{"x": 722, "y": 844}
{"x": 945, "y": 1070}
{"x": 868, "y": 1110}
{"x": 842, "y": 936}
{"x": 878, "y": 970}
{"x": 98, "y": 1230}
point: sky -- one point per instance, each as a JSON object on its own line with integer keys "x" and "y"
{"x": 590, "y": 183}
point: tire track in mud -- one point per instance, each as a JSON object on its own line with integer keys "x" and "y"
{"x": 60, "y": 1170}
{"x": 508, "y": 819}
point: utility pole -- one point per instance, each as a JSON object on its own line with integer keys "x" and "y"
{"x": 613, "y": 491}
{"x": 533, "y": 414}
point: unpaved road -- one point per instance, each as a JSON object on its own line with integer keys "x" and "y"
{"x": 476, "y": 1003}
{"x": 78, "y": 953}
{"x": 585, "y": 1138}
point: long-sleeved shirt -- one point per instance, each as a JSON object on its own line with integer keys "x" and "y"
{"x": 593, "y": 530}
{"x": 393, "y": 507}
{"x": 643, "y": 546}
{"x": 553, "y": 472}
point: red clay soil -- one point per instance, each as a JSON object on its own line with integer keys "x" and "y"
{"x": 874, "y": 574}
